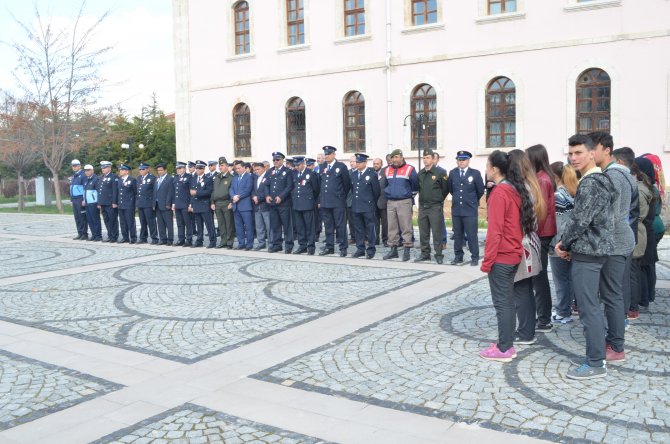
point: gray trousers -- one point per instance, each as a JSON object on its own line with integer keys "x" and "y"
{"x": 262, "y": 220}
{"x": 611, "y": 294}
{"x": 501, "y": 282}
{"x": 400, "y": 220}
{"x": 430, "y": 221}
{"x": 585, "y": 281}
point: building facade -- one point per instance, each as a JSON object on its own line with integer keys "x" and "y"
{"x": 257, "y": 76}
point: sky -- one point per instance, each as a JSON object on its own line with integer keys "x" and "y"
{"x": 140, "y": 63}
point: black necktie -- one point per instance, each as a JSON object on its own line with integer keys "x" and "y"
{"x": 462, "y": 174}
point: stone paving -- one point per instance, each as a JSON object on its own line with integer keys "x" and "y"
{"x": 194, "y": 424}
{"x": 30, "y": 389}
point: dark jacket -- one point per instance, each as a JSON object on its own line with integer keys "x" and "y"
{"x": 127, "y": 188}
{"x": 221, "y": 186}
{"x": 107, "y": 190}
{"x": 203, "y": 192}
{"x": 182, "y": 195}
{"x": 401, "y": 182}
{"x": 465, "y": 192}
{"x": 259, "y": 192}
{"x": 242, "y": 187}
{"x": 547, "y": 226}
{"x": 77, "y": 185}
{"x": 306, "y": 188}
{"x": 280, "y": 185}
{"x": 145, "y": 191}
{"x": 365, "y": 190}
{"x": 91, "y": 190}
{"x": 335, "y": 184}
{"x": 381, "y": 175}
{"x": 433, "y": 187}
{"x": 627, "y": 209}
{"x": 164, "y": 196}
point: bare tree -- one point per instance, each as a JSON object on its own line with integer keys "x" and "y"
{"x": 58, "y": 69}
{"x": 17, "y": 139}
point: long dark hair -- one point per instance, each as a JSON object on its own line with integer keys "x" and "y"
{"x": 539, "y": 159}
{"x": 512, "y": 173}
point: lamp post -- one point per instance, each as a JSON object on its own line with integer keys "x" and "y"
{"x": 422, "y": 127}
{"x": 129, "y": 146}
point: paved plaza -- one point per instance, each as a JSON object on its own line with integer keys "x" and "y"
{"x": 136, "y": 344}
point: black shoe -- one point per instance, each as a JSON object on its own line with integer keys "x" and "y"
{"x": 211, "y": 246}
{"x": 300, "y": 251}
{"x": 385, "y": 243}
{"x": 457, "y": 262}
{"x": 310, "y": 252}
{"x": 141, "y": 242}
{"x": 133, "y": 241}
{"x": 162, "y": 243}
{"x": 326, "y": 251}
{"x": 105, "y": 240}
{"x": 260, "y": 247}
{"x": 248, "y": 249}
{"x": 393, "y": 254}
{"x": 370, "y": 256}
{"x": 240, "y": 247}
{"x": 77, "y": 238}
{"x": 405, "y": 254}
{"x": 123, "y": 241}
{"x": 96, "y": 239}
{"x": 288, "y": 251}
{"x": 220, "y": 246}
{"x": 196, "y": 245}
{"x": 85, "y": 237}
{"x": 343, "y": 253}
{"x": 422, "y": 258}
{"x": 543, "y": 328}
{"x": 474, "y": 263}
{"x": 452, "y": 236}
{"x": 179, "y": 244}
{"x": 154, "y": 242}
{"x": 358, "y": 254}
{"x": 439, "y": 259}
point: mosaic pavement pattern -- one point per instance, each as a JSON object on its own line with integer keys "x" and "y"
{"x": 192, "y": 307}
{"x": 192, "y": 424}
{"x": 27, "y": 257}
{"x": 35, "y": 225}
{"x": 425, "y": 360}
{"x": 30, "y": 389}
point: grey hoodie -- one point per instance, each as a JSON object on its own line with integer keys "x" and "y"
{"x": 626, "y": 185}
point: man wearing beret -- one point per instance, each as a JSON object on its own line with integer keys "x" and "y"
{"x": 433, "y": 189}
{"x": 221, "y": 204}
{"x": 335, "y": 184}
{"x": 401, "y": 184}
{"x": 466, "y": 187}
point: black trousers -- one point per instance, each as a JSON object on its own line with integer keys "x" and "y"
{"x": 382, "y": 225}
{"x": 127, "y": 222}
{"x": 165, "y": 225}
{"x": 365, "y": 227}
{"x": 184, "y": 225}
{"x": 80, "y": 217}
{"x": 541, "y": 285}
{"x": 110, "y": 217}
{"x": 465, "y": 226}
{"x": 304, "y": 225}
{"x": 334, "y": 221}
{"x": 501, "y": 282}
{"x": 202, "y": 221}
{"x": 350, "y": 223}
{"x": 280, "y": 222}
{"x": 147, "y": 224}
{"x": 524, "y": 303}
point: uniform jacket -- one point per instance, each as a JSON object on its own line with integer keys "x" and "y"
{"x": 242, "y": 186}
{"x": 145, "y": 191}
{"x": 77, "y": 185}
{"x": 221, "y": 186}
{"x": 365, "y": 190}
{"x": 203, "y": 191}
{"x": 335, "y": 184}
{"x": 401, "y": 182}
{"x": 306, "y": 189}
{"x": 91, "y": 190}
{"x": 465, "y": 192}
{"x": 182, "y": 186}
{"x": 433, "y": 187}
{"x": 381, "y": 175}
{"x": 107, "y": 189}
{"x": 126, "y": 190}
{"x": 165, "y": 194}
{"x": 259, "y": 192}
{"x": 280, "y": 184}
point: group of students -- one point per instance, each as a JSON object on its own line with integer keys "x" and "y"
{"x": 597, "y": 220}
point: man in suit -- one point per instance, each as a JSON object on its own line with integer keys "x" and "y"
{"x": 90, "y": 202}
{"x": 164, "y": 198}
{"x": 335, "y": 184}
{"x": 145, "y": 205}
{"x": 466, "y": 187}
{"x": 201, "y": 191}
{"x": 365, "y": 191}
{"x": 304, "y": 197}
{"x": 107, "y": 201}
{"x": 182, "y": 199}
{"x": 127, "y": 188}
{"x": 278, "y": 195}
{"x": 261, "y": 207}
{"x": 77, "y": 197}
{"x": 240, "y": 197}
{"x": 382, "y": 226}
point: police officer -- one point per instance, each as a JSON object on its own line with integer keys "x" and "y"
{"x": 211, "y": 166}
{"x": 278, "y": 195}
{"x": 145, "y": 205}
{"x": 126, "y": 190}
{"x": 77, "y": 197}
{"x": 433, "y": 189}
{"x": 318, "y": 220}
{"x": 305, "y": 192}
{"x": 335, "y": 184}
{"x": 182, "y": 199}
{"x": 90, "y": 202}
{"x": 201, "y": 191}
{"x": 466, "y": 187}
{"x": 365, "y": 191}
{"x": 191, "y": 173}
{"x": 107, "y": 201}
{"x": 164, "y": 196}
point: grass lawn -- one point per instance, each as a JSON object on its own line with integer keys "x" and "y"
{"x": 15, "y": 199}
{"x": 37, "y": 210}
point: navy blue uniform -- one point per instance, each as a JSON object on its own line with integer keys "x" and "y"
{"x": 77, "y": 197}
{"x": 126, "y": 190}
{"x": 164, "y": 196}
{"x": 107, "y": 199}
{"x": 335, "y": 184}
{"x": 280, "y": 184}
{"x": 91, "y": 205}
{"x": 466, "y": 190}
{"x": 365, "y": 191}
{"x": 182, "y": 199}
{"x": 145, "y": 207}
{"x": 202, "y": 212}
{"x": 306, "y": 188}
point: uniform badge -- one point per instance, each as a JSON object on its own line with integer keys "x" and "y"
{"x": 337, "y": 170}
{"x": 433, "y": 177}
{"x": 470, "y": 179}
{"x": 225, "y": 182}
{"x": 367, "y": 177}
{"x": 283, "y": 173}
{"x": 148, "y": 180}
{"x": 307, "y": 176}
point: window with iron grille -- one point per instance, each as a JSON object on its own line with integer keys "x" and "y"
{"x": 242, "y": 41}
{"x": 354, "y": 122}
{"x": 501, "y": 6}
{"x": 424, "y": 117}
{"x": 424, "y": 12}
{"x": 296, "y": 138}
{"x": 593, "y": 101}
{"x": 295, "y": 22}
{"x": 501, "y": 113}
{"x": 242, "y": 130}
{"x": 354, "y": 17}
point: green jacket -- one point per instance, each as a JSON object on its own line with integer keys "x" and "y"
{"x": 222, "y": 187}
{"x": 433, "y": 188}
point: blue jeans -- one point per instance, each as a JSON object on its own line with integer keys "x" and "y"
{"x": 565, "y": 295}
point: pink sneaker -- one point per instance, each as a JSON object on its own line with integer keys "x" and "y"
{"x": 493, "y": 353}
{"x": 614, "y": 356}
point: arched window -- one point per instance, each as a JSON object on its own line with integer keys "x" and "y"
{"x": 500, "y": 113}
{"x": 242, "y": 130}
{"x": 424, "y": 117}
{"x": 242, "y": 28}
{"x": 593, "y": 101}
{"x": 296, "y": 139}
{"x": 295, "y": 22}
{"x": 354, "y": 17}
{"x": 354, "y": 122}
{"x": 424, "y": 12}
